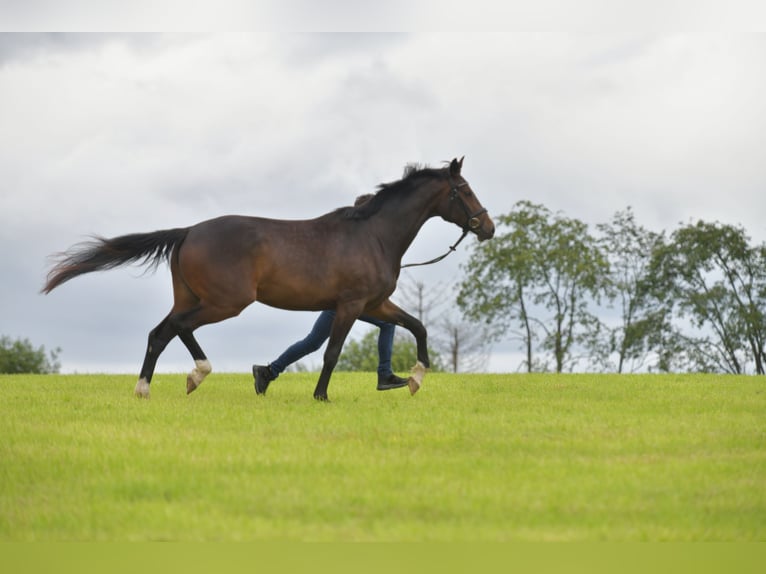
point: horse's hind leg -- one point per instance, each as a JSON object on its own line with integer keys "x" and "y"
{"x": 174, "y": 324}
{"x": 202, "y": 367}
{"x": 186, "y": 323}
{"x": 159, "y": 337}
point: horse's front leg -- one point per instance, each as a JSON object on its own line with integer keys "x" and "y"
{"x": 345, "y": 316}
{"x": 388, "y": 311}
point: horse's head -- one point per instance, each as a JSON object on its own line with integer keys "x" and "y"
{"x": 462, "y": 207}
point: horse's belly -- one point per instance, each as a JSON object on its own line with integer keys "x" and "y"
{"x": 299, "y": 289}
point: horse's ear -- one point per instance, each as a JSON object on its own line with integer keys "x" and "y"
{"x": 455, "y": 166}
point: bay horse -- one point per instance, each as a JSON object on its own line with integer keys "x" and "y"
{"x": 347, "y": 260}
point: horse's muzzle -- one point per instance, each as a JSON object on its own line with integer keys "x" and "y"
{"x": 486, "y": 230}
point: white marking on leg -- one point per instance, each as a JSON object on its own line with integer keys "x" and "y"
{"x": 142, "y": 388}
{"x": 416, "y": 377}
{"x": 201, "y": 370}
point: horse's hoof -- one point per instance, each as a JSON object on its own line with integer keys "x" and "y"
{"x": 416, "y": 378}
{"x": 142, "y": 389}
{"x": 191, "y": 386}
{"x": 202, "y": 369}
{"x": 322, "y": 398}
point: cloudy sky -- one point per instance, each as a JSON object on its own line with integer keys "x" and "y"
{"x": 113, "y": 134}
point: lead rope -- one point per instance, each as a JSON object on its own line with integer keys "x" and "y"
{"x": 436, "y": 260}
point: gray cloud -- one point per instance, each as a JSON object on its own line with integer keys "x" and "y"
{"x": 23, "y": 47}
{"x": 116, "y": 134}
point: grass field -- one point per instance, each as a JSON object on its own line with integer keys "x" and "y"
{"x": 469, "y": 458}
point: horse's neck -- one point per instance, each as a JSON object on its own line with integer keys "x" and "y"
{"x": 403, "y": 222}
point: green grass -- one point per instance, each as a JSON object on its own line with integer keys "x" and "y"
{"x": 470, "y": 457}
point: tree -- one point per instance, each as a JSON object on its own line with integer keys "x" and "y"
{"x": 465, "y": 344}
{"x": 717, "y": 280}
{"x": 420, "y": 300}
{"x": 20, "y": 356}
{"x": 362, "y": 354}
{"x": 499, "y": 280}
{"x": 628, "y": 248}
{"x": 536, "y": 281}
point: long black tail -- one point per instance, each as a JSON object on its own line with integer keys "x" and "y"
{"x": 101, "y": 254}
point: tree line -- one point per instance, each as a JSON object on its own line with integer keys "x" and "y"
{"x": 619, "y": 297}
{"x": 21, "y": 356}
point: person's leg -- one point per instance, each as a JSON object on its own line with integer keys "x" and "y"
{"x": 386, "y": 378}
{"x": 310, "y": 343}
{"x": 385, "y": 349}
{"x": 264, "y": 374}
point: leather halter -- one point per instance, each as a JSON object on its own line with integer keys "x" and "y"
{"x": 471, "y": 223}
{"x": 472, "y": 219}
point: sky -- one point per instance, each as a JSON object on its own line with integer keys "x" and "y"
{"x": 110, "y": 134}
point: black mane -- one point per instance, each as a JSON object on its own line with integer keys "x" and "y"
{"x": 413, "y": 173}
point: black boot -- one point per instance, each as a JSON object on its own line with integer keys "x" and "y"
{"x": 386, "y": 383}
{"x": 262, "y": 375}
